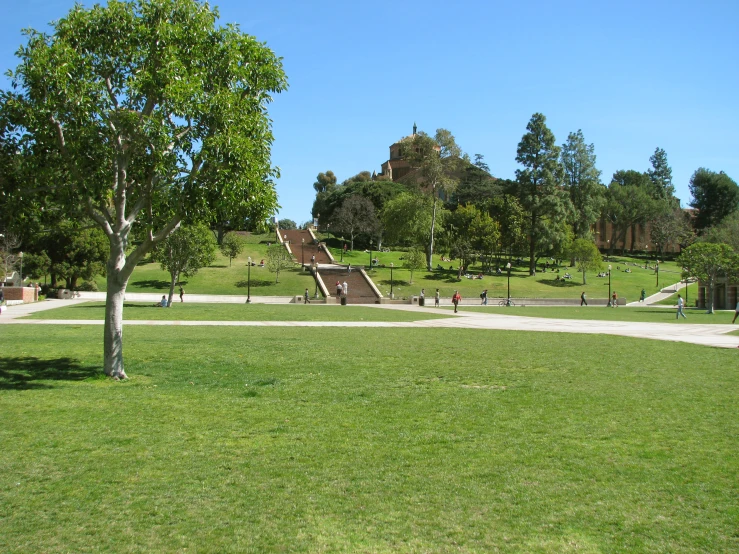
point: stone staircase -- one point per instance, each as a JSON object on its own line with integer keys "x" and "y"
{"x": 304, "y": 246}
{"x": 360, "y": 289}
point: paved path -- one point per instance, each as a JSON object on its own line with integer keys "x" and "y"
{"x": 663, "y": 294}
{"x": 706, "y": 335}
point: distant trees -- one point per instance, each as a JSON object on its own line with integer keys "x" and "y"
{"x": 715, "y": 196}
{"x": 356, "y": 216}
{"x": 436, "y": 164}
{"x": 414, "y": 261}
{"x": 277, "y": 260}
{"x": 540, "y": 186}
{"x": 582, "y": 181}
{"x": 587, "y": 256}
{"x": 287, "y": 224}
{"x": 232, "y": 246}
{"x": 661, "y": 175}
{"x": 707, "y": 262}
{"x": 185, "y": 252}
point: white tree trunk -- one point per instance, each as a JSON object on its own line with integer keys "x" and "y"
{"x": 113, "y": 330}
{"x": 430, "y": 261}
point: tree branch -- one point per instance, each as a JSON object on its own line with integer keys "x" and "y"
{"x": 109, "y": 87}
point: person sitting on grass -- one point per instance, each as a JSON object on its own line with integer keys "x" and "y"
{"x": 162, "y": 303}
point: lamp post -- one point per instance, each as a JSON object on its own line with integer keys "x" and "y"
{"x": 656, "y": 268}
{"x": 391, "y": 280}
{"x": 608, "y": 304}
{"x": 370, "y": 264}
{"x": 248, "y": 280}
{"x": 508, "y": 267}
{"x": 302, "y": 252}
{"x": 646, "y": 256}
{"x": 20, "y": 255}
{"x": 343, "y": 247}
{"x": 328, "y": 230}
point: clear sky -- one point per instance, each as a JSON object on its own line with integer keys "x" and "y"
{"x": 633, "y": 75}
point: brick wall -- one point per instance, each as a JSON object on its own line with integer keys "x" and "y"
{"x": 26, "y": 294}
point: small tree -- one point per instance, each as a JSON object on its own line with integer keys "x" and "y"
{"x": 415, "y": 260}
{"x": 232, "y": 246}
{"x": 184, "y": 252}
{"x": 277, "y": 260}
{"x": 707, "y": 262}
{"x": 356, "y": 216}
{"x": 587, "y": 257}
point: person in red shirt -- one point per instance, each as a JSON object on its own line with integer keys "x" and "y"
{"x": 456, "y": 299}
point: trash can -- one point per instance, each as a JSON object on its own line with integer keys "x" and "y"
{"x": 421, "y": 301}
{"x": 343, "y": 300}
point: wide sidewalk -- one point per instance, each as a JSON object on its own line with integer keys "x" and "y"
{"x": 706, "y": 335}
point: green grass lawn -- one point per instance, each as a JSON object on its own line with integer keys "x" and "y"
{"x": 222, "y": 278}
{"x": 236, "y": 312}
{"x": 265, "y": 439}
{"x": 523, "y": 285}
{"x": 648, "y": 315}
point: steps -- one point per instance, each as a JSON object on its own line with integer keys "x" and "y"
{"x": 359, "y": 290}
{"x": 304, "y": 246}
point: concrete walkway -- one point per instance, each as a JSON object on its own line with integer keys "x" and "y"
{"x": 663, "y": 294}
{"x": 706, "y": 335}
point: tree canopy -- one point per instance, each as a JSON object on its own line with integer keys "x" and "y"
{"x": 139, "y": 115}
{"x": 715, "y": 196}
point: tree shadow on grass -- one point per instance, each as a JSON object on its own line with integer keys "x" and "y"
{"x": 446, "y": 277}
{"x": 152, "y": 284}
{"x": 26, "y": 373}
{"x": 561, "y": 284}
{"x": 255, "y": 283}
{"x": 396, "y": 283}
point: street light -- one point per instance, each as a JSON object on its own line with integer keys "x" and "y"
{"x": 391, "y": 280}
{"x": 508, "y": 267}
{"x": 302, "y": 252}
{"x": 248, "y": 280}
{"x": 343, "y": 247}
{"x": 608, "y": 304}
{"x": 20, "y": 255}
{"x": 370, "y": 254}
{"x": 656, "y": 268}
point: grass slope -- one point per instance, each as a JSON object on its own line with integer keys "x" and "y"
{"x": 225, "y": 278}
{"x": 263, "y": 440}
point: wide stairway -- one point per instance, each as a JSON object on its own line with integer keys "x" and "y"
{"x": 304, "y": 247}
{"x": 359, "y": 290}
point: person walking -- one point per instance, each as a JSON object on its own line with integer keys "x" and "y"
{"x": 344, "y": 289}
{"x": 680, "y": 305}
{"x": 614, "y": 300}
{"x": 422, "y": 298}
{"x": 643, "y": 296}
{"x": 182, "y": 294}
{"x": 736, "y": 312}
{"x": 583, "y": 300}
{"x": 484, "y": 297}
{"x": 339, "y": 288}
{"x": 306, "y": 297}
{"x": 456, "y": 299}
{"x": 436, "y": 301}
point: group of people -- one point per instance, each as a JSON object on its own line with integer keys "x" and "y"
{"x": 341, "y": 289}
{"x": 163, "y": 303}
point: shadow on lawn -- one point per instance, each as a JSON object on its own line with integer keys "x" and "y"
{"x": 561, "y": 284}
{"x": 255, "y": 283}
{"x": 152, "y": 284}
{"x": 29, "y": 373}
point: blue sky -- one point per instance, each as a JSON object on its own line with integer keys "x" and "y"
{"x": 632, "y": 75}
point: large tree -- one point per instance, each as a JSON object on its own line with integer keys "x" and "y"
{"x": 143, "y": 111}
{"x": 582, "y": 181}
{"x": 437, "y": 163}
{"x": 629, "y": 202}
{"x": 356, "y": 216}
{"x": 661, "y": 175}
{"x": 587, "y": 256}
{"x": 540, "y": 186}
{"x": 185, "y": 252}
{"x": 715, "y": 196}
{"x": 708, "y": 262}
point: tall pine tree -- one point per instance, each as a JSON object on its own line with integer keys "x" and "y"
{"x": 540, "y": 186}
{"x": 582, "y": 180}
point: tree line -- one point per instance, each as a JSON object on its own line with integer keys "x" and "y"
{"x": 451, "y": 203}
